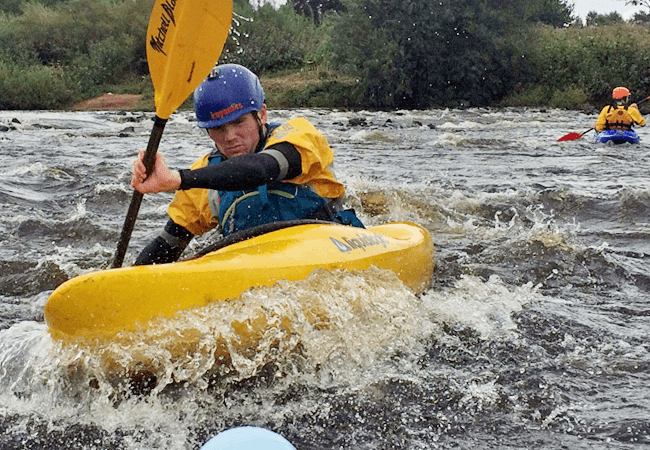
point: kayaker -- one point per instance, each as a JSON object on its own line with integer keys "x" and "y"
{"x": 258, "y": 173}
{"x": 618, "y": 115}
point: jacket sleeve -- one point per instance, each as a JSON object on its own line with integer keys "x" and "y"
{"x": 246, "y": 171}
{"x": 636, "y": 115}
{"x": 167, "y": 247}
{"x": 602, "y": 120}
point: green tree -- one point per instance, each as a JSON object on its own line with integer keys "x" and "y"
{"x": 550, "y": 12}
{"x": 641, "y": 18}
{"x": 594, "y": 19}
{"x": 316, "y": 8}
{"x": 418, "y": 53}
{"x": 644, "y": 3}
{"x": 15, "y": 6}
{"x": 11, "y": 6}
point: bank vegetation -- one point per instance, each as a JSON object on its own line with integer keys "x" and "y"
{"x": 380, "y": 54}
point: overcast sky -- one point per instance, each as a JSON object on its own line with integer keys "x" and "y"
{"x": 583, "y": 7}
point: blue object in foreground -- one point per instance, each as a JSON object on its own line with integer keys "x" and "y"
{"x": 248, "y": 438}
{"x": 618, "y": 137}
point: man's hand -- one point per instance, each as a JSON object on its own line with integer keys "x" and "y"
{"x": 161, "y": 179}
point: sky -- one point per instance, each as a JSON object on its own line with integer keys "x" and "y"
{"x": 583, "y": 7}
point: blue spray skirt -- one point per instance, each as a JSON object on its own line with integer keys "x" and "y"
{"x": 618, "y": 137}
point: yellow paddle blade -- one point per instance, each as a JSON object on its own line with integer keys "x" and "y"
{"x": 184, "y": 41}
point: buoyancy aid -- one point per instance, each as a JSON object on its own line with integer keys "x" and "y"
{"x": 618, "y": 118}
{"x": 271, "y": 202}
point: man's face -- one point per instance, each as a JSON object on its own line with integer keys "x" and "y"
{"x": 239, "y": 137}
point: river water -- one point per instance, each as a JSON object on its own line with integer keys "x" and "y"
{"x": 534, "y": 333}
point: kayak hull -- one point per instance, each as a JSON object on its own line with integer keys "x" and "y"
{"x": 618, "y": 137}
{"x": 104, "y": 303}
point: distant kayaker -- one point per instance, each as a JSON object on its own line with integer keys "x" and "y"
{"x": 258, "y": 173}
{"x": 618, "y": 115}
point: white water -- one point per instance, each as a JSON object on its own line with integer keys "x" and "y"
{"x": 534, "y": 331}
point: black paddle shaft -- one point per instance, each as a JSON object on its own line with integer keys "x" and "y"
{"x": 148, "y": 160}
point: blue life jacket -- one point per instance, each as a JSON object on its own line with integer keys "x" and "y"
{"x": 274, "y": 201}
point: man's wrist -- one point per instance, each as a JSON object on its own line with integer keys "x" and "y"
{"x": 182, "y": 185}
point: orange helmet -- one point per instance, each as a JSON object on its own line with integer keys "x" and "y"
{"x": 620, "y": 92}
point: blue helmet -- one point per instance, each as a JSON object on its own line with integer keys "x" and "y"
{"x": 248, "y": 438}
{"x": 229, "y": 92}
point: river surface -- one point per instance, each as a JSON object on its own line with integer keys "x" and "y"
{"x": 534, "y": 333}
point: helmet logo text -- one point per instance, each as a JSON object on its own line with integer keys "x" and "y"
{"x": 167, "y": 19}
{"x": 226, "y": 111}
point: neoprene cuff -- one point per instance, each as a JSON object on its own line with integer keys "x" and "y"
{"x": 183, "y": 186}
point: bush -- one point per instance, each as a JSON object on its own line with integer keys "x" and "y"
{"x": 80, "y": 45}
{"x": 317, "y": 87}
{"x": 107, "y": 62}
{"x": 330, "y": 94}
{"x": 10, "y": 6}
{"x": 375, "y": 53}
{"x": 58, "y": 35}
{"x": 595, "y": 59}
{"x": 572, "y": 97}
{"x": 529, "y": 95}
{"x": 34, "y": 86}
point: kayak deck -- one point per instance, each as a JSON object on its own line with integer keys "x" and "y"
{"x": 110, "y": 301}
{"x": 618, "y": 137}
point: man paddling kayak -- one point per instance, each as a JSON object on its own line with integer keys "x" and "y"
{"x": 619, "y": 116}
{"x": 258, "y": 173}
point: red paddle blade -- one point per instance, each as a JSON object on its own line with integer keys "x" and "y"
{"x": 570, "y": 137}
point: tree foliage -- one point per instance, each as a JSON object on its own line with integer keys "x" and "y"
{"x": 79, "y": 45}
{"x": 644, "y": 3}
{"x": 368, "y": 53}
{"x": 594, "y": 19}
{"x": 596, "y": 59}
{"x": 265, "y": 39}
{"x": 641, "y": 18}
{"x": 15, "y": 6}
{"x": 419, "y": 53}
{"x": 549, "y": 12}
{"x": 316, "y": 8}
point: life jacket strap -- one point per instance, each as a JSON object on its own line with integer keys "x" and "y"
{"x": 328, "y": 210}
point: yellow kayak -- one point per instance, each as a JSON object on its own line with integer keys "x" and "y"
{"x": 104, "y": 303}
